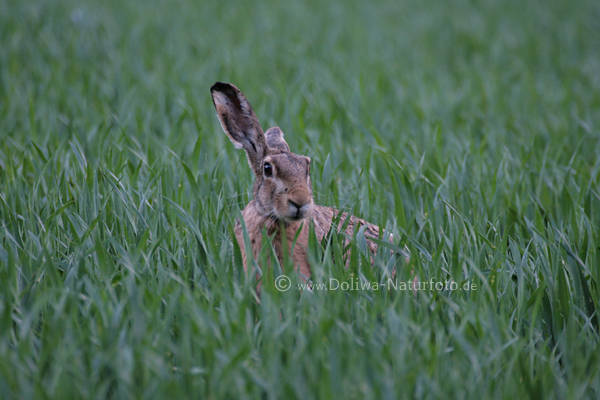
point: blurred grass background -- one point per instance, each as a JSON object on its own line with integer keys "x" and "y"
{"x": 468, "y": 128}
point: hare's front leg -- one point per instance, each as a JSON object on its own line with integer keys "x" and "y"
{"x": 239, "y": 236}
{"x": 297, "y": 247}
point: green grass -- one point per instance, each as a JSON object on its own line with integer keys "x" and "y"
{"x": 469, "y": 129}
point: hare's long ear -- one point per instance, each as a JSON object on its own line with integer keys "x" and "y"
{"x": 275, "y": 140}
{"x": 239, "y": 122}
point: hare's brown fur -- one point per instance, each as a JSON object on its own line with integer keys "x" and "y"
{"x": 282, "y": 192}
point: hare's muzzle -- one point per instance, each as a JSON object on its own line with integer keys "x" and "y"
{"x": 298, "y": 211}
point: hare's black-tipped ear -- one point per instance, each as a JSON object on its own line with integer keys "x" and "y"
{"x": 275, "y": 140}
{"x": 239, "y": 122}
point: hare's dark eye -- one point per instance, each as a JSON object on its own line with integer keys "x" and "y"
{"x": 268, "y": 169}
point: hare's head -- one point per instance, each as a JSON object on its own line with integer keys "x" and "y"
{"x": 282, "y": 186}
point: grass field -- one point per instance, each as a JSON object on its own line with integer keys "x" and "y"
{"x": 470, "y": 129}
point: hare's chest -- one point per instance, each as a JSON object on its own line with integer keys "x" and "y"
{"x": 263, "y": 235}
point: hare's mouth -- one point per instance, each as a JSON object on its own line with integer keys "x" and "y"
{"x": 296, "y": 212}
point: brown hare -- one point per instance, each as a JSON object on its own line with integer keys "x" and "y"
{"x": 282, "y": 194}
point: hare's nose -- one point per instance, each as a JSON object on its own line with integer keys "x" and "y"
{"x": 295, "y": 205}
{"x": 297, "y": 210}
